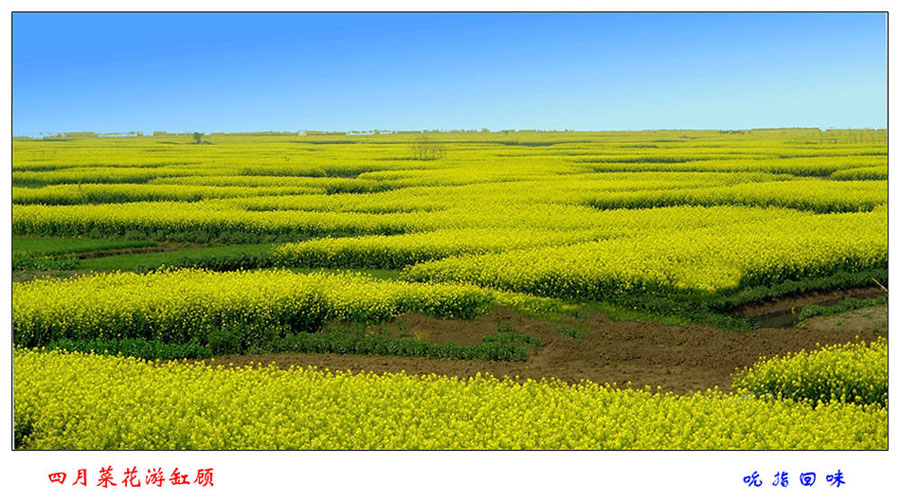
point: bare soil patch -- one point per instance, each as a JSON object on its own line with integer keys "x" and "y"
{"x": 861, "y": 321}
{"x": 682, "y": 359}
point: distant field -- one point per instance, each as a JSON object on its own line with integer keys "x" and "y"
{"x": 452, "y": 252}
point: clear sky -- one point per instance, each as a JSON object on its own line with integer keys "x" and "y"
{"x": 254, "y": 72}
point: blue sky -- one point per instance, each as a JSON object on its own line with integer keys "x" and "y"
{"x": 250, "y": 72}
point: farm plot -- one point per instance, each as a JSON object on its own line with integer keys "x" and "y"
{"x": 602, "y": 257}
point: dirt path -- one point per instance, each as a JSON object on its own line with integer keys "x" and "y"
{"x": 682, "y": 359}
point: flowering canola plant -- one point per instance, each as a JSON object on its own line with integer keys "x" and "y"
{"x": 850, "y": 373}
{"x": 181, "y": 306}
{"x": 85, "y": 401}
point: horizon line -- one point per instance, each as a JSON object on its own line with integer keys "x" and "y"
{"x": 378, "y": 131}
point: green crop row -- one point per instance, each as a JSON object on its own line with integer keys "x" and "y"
{"x": 835, "y": 281}
{"x": 849, "y": 304}
{"x": 23, "y": 261}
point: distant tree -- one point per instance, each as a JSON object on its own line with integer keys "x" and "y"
{"x": 423, "y": 149}
{"x": 198, "y": 138}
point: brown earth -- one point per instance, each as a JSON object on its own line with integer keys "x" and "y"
{"x": 860, "y": 321}
{"x": 682, "y": 359}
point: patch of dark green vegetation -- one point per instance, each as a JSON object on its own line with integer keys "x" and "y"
{"x": 215, "y": 258}
{"x": 837, "y": 281}
{"x": 622, "y": 313}
{"x": 46, "y": 167}
{"x": 352, "y": 259}
{"x": 850, "y": 304}
{"x": 77, "y": 178}
{"x": 343, "y": 172}
{"x": 670, "y": 307}
{"x": 58, "y": 246}
{"x": 211, "y": 262}
{"x": 208, "y": 234}
{"x": 222, "y": 259}
{"x": 354, "y": 339}
{"x": 507, "y": 335}
{"x": 687, "y": 199}
{"x": 578, "y": 312}
{"x": 138, "y": 348}
{"x": 641, "y": 159}
{"x": 28, "y": 261}
{"x": 70, "y": 254}
{"x": 572, "y": 333}
{"x": 680, "y": 308}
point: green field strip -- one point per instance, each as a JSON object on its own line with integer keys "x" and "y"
{"x": 136, "y": 261}
{"x": 58, "y": 246}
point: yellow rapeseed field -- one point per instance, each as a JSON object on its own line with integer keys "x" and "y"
{"x": 683, "y": 224}
{"x": 83, "y": 401}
